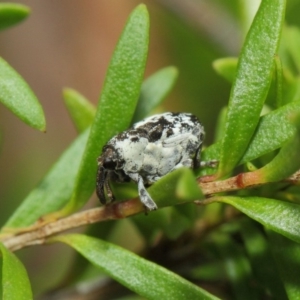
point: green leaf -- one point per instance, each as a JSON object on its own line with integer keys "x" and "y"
{"x": 287, "y": 257}
{"x": 226, "y": 67}
{"x": 273, "y": 130}
{"x": 278, "y": 81}
{"x": 54, "y": 190}
{"x": 280, "y": 216}
{"x": 117, "y": 102}
{"x": 293, "y": 44}
{"x": 172, "y": 221}
{"x": 177, "y": 187}
{"x": 252, "y": 82}
{"x": 259, "y": 252}
{"x": 11, "y": 14}
{"x": 15, "y": 282}
{"x": 139, "y": 275}
{"x": 156, "y": 221}
{"x": 291, "y": 87}
{"x": 81, "y": 110}
{"x": 17, "y": 96}
{"x": 219, "y": 130}
{"x": 285, "y": 163}
{"x": 182, "y": 218}
{"x": 154, "y": 90}
{"x": 236, "y": 266}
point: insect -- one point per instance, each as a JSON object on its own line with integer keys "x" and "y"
{"x": 149, "y": 150}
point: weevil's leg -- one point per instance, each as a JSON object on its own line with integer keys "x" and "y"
{"x": 100, "y": 183}
{"x": 201, "y": 164}
{"x": 210, "y": 163}
{"x": 197, "y": 157}
{"x": 109, "y": 192}
{"x": 189, "y": 163}
{"x": 144, "y": 195}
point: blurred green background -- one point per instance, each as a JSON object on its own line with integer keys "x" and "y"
{"x": 69, "y": 43}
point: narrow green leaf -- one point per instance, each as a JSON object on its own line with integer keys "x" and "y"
{"x": 187, "y": 188}
{"x": 210, "y": 271}
{"x": 154, "y": 90}
{"x": 273, "y": 130}
{"x": 236, "y": 266}
{"x": 291, "y": 87}
{"x": 287, "y": 257}
{"x": 226, "y": 67}
{"x": 117, "y": 102}
{"x": 157, "y": 221}
{"x": 262, "y": 262}
{"x": 285, "y": 163}
{"x": 210, "y": 153}
{"x": 172, "y": 221}
{"x": 54, "y": 190}
{"x": 252, "y": 82}
{"x": 17, "y": 96}
{"x": 278, "y": 81}
{"x": 293, "y": 44}
{"x": 139, "y": 275}
{"x": 15, "y": 282}
{"x": 11, "y": 14}
{"x": 221, "y": 121}
{"x": 81, "y": 110}
{"x": 177, "y": 187}
{"x": 182, "y": 218}
{"x": 280, "y": 216}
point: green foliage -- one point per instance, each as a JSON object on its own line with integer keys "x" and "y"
{"x": 252, "y": 82}
{"x": 81, "y": 111}
{"x": 117, "y": 101}
{"x": 269, "y": 212}
{"x": 143, "y": 277}
{"x": 286, "y": 253}
{"x": 15, "y": 281}
{"x": 243, "y": 245}
{"x": 17, "y": 96}
{"x": 11, "y": 14}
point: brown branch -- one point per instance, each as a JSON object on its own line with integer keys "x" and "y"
{"x": 39, "y": 233}
{"x": 240, "y": 181}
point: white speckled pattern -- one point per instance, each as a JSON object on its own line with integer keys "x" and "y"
{"x": 149, "y": 150}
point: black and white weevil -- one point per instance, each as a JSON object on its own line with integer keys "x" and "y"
{"x": 149, "y": 150}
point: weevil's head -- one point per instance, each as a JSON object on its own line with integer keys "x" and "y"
{"x": 110, "y": 159}
{"x": 109, "y": 162}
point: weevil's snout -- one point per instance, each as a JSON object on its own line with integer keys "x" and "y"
{"x": 108, "y": 159}
{"x": 109, "y": 164}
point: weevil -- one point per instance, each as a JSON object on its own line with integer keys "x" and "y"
{"x": 149, "y": 150}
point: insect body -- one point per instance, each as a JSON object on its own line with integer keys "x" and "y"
{"x": 149, "y": 150}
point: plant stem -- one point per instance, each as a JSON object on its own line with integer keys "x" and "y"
{"x": 38, "y": 233}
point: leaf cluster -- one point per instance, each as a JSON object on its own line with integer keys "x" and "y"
{"x": 243, "y": 245}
